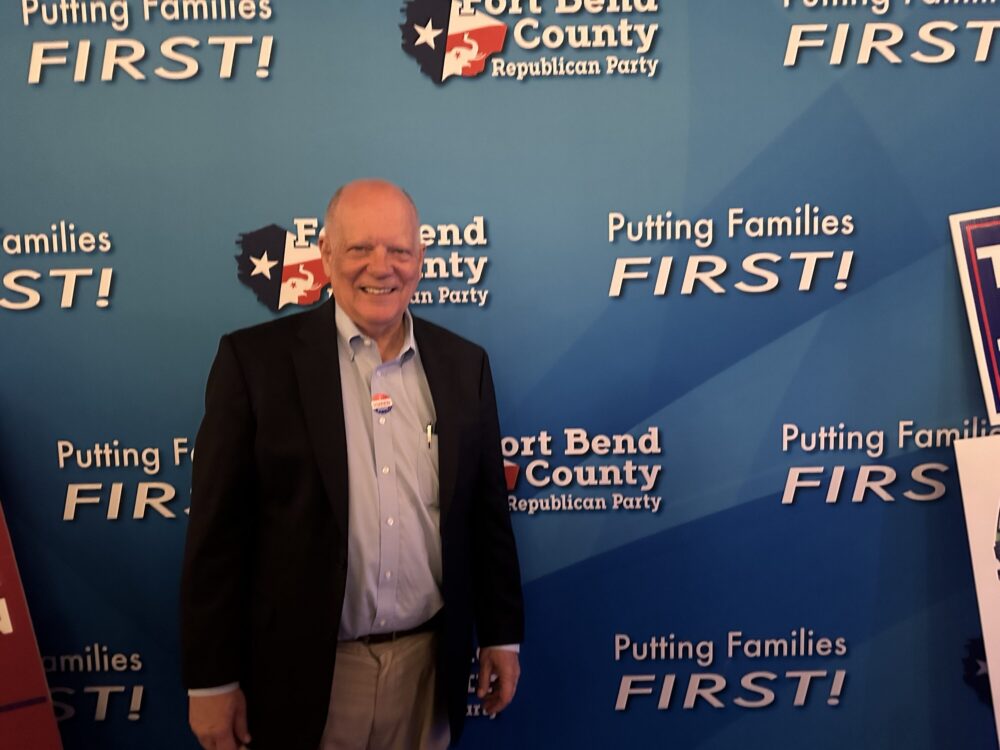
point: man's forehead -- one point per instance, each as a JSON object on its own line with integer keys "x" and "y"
{"x": 376, "y": 195}
{"x": 371, "y": 239}
{"x": 373, "y": 226}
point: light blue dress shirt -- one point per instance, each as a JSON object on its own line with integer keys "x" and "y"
{"x": 394, "y": 542}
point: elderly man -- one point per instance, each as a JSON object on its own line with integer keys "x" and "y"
{"x": 348, "y": 527}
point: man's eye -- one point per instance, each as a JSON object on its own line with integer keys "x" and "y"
{"x": 400, "y": 250}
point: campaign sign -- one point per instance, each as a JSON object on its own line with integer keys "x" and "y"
{"x": 27, "y": 721}
{"x": 976, "y": 238}
{"x": 977, "y": 461}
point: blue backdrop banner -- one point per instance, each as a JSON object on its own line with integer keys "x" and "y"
{"x": 707, "y": 246}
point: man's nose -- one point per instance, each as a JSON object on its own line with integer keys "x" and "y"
{"x": 378, "y": 261}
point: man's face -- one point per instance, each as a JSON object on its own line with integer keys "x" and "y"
{"x": 372, "y": 253}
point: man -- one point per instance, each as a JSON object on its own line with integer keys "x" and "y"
{"x": 348, "y": 508}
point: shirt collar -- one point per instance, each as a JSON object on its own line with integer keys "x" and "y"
{"x": 349, "y": 332}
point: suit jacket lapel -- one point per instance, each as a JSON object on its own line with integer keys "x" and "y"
{"x": 318, "y": 371}
{"x": 440, "y": 381}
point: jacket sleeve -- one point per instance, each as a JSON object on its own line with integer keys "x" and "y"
{"x": 215, "y": 577}
{"x": 499, "y": 602}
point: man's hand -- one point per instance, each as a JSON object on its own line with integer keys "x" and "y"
{"x": 219, "y": 721}
{"x": 499, "y": 670}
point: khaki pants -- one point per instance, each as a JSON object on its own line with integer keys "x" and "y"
{"x": 383, "y": 697}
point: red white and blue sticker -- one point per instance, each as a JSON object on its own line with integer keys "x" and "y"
{"x": 976, "y": 237}
{"x": 381, "y": 403}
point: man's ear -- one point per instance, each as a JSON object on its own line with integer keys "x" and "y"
{"x": 325, "y": 248}
{"x": 325, "y": 251}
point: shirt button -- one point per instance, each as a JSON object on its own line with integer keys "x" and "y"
{"x": 388, "y": 574}
{"x": 381, "y": 420}
{"x": 381, "y": 623}
{"x": 368, "y": 342}
{"x": 390, "y": 520}
{"x": 385, "y": 469}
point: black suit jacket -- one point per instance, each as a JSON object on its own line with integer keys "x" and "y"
{"x": 265, "y": 562}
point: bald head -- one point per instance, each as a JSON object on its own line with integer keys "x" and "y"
{"x": 367, "y": 190}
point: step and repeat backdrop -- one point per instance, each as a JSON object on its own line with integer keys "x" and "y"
{"x": 706, "y": 245}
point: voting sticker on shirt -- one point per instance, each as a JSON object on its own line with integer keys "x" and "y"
{"x": 381, "y": 403}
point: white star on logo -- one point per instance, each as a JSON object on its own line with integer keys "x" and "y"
{"x": 426, "y": 34}
{"x": 262, "y": 265}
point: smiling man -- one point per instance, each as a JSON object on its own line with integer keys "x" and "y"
{"x": 348, "y": 530}
{"x": 373, "y": 256}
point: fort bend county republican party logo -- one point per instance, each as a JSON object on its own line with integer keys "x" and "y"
{"x": 447, "y": 42}
{"x": 284, "y": 268}
{"x": 280, "y": 270}
{"x": 545, "y": 38}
